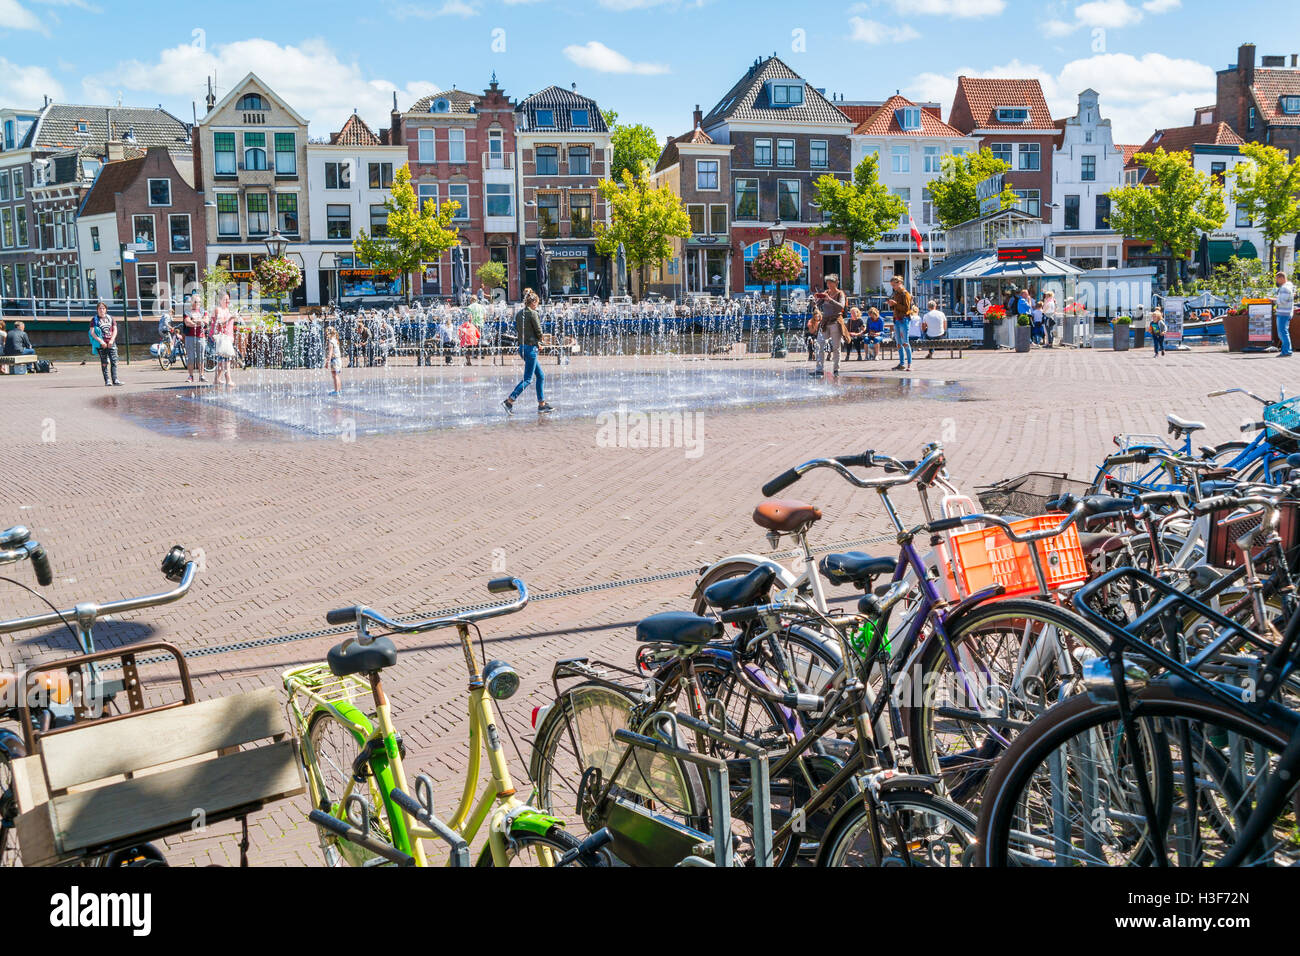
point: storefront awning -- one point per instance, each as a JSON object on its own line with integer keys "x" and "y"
{"x": 985, "y": 265}
{"x": 1221, "y": 250}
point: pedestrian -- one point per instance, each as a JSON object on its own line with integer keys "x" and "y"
{"x": 1158, "y": 328}
{"x": 469, "y": 336}
{"x": 334, "y": 358}
{"x": 1023, "y": 306}
{"x": 447, "y": 338}
{"x": 196, "y": 337}
{"x": 223, "y": 340}
{"x": 528, "y": 329}
{"x": 4, "y": 369}
{"x": 1049, "y": 316}
{"x": 1038, "y": 331}
{"x": 360, "y": 351}
{"x": 934, "y": 325}
{"x": 103, "y": 332}
{"x": 831, "y": 331}
{"x": 875, "y": 329}
{"x": 900, "y": 302}
{"x": 857, "y": 333}
{"x": 1284, "y": 303}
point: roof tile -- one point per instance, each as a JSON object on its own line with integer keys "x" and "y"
{"x": 748, "y": 100}
{"x": 985, "y": 94}
{"x": 884, "y": 121}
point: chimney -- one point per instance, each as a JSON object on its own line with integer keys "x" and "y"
{"x": 395, "y": 124}
{"x": 1294, "y": 58}
{"x": 211, "y": 98}
{"x": 1246, "y": 64}
{"x": 116, "y": 150}
{"x": 699, "y": 116}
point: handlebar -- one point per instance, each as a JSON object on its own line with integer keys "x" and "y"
{"x": 16, "y": 545}
{"x": 360, "y": 614}
{"x": 1228, "y": 391}
{"x": 911, "y": 470}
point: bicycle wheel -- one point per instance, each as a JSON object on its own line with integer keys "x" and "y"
{"x": 527, "y": 848}
{"x": 962, "y": 719}
{"x": 334, "y": 749}
{"x": 9, "y": 852}
{"x": 1067, "y": 792}
{"x": 901, "y": 828}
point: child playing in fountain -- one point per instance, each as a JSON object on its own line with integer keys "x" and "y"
{"x": 334, "y": 358}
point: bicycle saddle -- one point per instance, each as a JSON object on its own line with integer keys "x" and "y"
{"x": 744, "y": 591}
{"x": 678, "y": 627}
{"x": 854, "y": 567}
{"x": 785, "y": 515}
{"x": 352, "y": 657}
{"x": 1180, "y": 425}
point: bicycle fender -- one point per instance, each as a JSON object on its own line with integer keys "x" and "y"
{"x": 534, "y": 821}
{"x": 785, "y": 578}
{"x": 979, "y": 597}
{"x": 351, "y": 713}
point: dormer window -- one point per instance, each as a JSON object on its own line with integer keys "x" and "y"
{"x": 83, "y": 127}
{"x": 786, "y": 94}
{"x": 909, "y": 118}
{"x": 440, "y": 105}
{"x": 579, "y": 119}
{"x": 1290, "y": 104}
{"x": 546, "y": 119}
{"x": 251, "y": 101}
{"x": 1013, "y": 114}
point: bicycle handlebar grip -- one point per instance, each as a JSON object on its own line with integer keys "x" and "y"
{"x": 947, "y": 524}
{"x": 342, "y": 615}
{"x": 41, "y": 564}
{"x": 1253, "y": 426}
{"x": 908, "y": 466}
{"x": 1216, "y": 503}
{"x": 780, "y": 483}
{"x": 865, "y": 460}
{"x": 736, "y": 615}
{"x": 1065, "y": 503}
{"x": 497, "y": 585}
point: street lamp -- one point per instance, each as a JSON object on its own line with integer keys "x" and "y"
{"x": 276, "y": 244}
{"x": 777, "y": 233}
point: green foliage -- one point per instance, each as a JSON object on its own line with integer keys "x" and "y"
{"x": 644, "y": 219}
{"x": 1181, "y": 203}
{"x": 414, "y": 235}
{"x": 952, "y": 192}
{"x": 861, "y": 210}
{"x": 214, "y": 280}
{"x": 635, "y": 146}
{"x": 1267, "y": 189}
{"x": 492, "y": 274}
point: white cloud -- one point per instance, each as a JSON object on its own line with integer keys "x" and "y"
{"x": 310, "y": 77}
{"x": 1137, "y": 94}
{"x": 14, "y": 16}
{"x": 594, "y": 55}
{"x": 1161, "y": 6}
{"x": 1107, "y": 13}
{"x": 958, "y": 9}
{"x": 1059, "y": 28}
{"x": 449, "y": 8}
{"x": 26, "y": 86}
{"x": 874, "y": 32}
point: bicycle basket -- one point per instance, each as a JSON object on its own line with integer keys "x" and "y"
{"x": 1286, "y": 414}
{"x": 1027, "y": 494}
{"x": 1221, "y": 549}
{"x": 987, "y": 557}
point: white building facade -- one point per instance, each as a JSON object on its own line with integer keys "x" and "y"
{"x": 1086, "y": 166}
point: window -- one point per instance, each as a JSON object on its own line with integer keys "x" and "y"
{"x": 18, "y": 184}
{"x": 146, "y": 279}
{"x": 548, "y": 161}
{"x": 378, "y": 221}
{"x": 580, "y": 215}
{"x": 428, "y": 193}
{"x": 546, "y": 119}
{"x": 381, "y": 176}
{"x": 696, "y": 212}
{"x": 785, "y": 152}
{"x": 548, "y": 215}
{"x": 440, "y": 105}
{"x": 762, "y": 152}
{"x": 142, "y": 230}
{"x": 251, "y": 101}
{"x": 338, "y": 222}
{"x": 909, "y": 117}
{"x": 1029, "y": 201}
{"x": 900, "y": 159}
{"x": 718, "y": 219}
{"x": 22, "y": 225}
{"x": 579, "y": 161}
{"x": 227, "y": 214}
{"x": 7, "y": 227}
{"x": 428, "y": 152}
{"x": 160, "y": 192}
{"x": 1013, "y": 114}
{"x": 746, "y": 199}
{"x": 787, "y": 199}
{"x": 818, "y": 154}
{"x": 496, "y": 145}
{"x": 927, "y": 207}
{"x": 1103, "y": 211}
{"x": 286, "y": 155}
{"x": 255, "y": 151}
{"x": 338, "y": 175}
{"x": 286, "y": 213}
{"x": 1250, "y": 121}
{"x": 1243, "y": 217}
{"x": 223, "y": 153}
{"x": 1031, "y": 156}
{"x": 92, "y": 287}
{"x": 1071, "y": 212}
{"x": 580, "y": 119}
{"x": 94, "y": 238}
{"x": 259, "y": 214}
{"x": 931, "y": 159}
{"x": 905, "y": 194}
{"x": 459, "y": 193}
{"x": 178, "y": 227}
{"x": 4, "y": 185}
{"x": 499, "y": 200}
{"x": 1002, "y": 151}
{"x": 787, "y": 94}
{"x": 1290, "y": 104}
{"x": 1217, "y": 171}
{"x": 1088, "y": 170}
{"x": 455, "y": 146}
{"x": 706, "y": 174}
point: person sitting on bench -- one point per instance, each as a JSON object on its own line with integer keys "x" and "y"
{"x": 17, "y": 342}
{"x": 934, "y": 325}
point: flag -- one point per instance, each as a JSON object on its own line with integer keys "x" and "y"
{"x": 916, "y": 234}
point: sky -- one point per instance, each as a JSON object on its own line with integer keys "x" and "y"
{"x": 1152, "y": 61}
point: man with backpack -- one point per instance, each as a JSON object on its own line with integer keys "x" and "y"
{"x": 831, "y": 332}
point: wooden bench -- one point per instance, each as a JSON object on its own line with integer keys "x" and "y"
{"x": 569, "y": 345}
{"x": 105, "y": 784}
{"x": 952, "y": 346}
{"x": 12, "y": 361}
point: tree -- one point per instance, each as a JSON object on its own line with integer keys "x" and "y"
{"x": 635, "y": 146}
{"x": 860, "y": 210}
{"x": 215, "y": 280}
{"x": 952, "y": 192}
{"x": 492, "y": 274}
{"x": 1266, "y": 189}
{"x": 413, "y": 235}
{"x": 1171, "y": 210}
{"x": 644, "y": 219}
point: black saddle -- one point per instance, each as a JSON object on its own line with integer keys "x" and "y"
{"x": 745, "y": 591}
{"x": 678, "y": 627}
{"x": 856, "y": 568}
{"x": 353, "y": 657}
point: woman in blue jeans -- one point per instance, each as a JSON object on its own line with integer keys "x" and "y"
{"x": 528, "y": 327}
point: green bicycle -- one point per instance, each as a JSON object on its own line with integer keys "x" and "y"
{"x": 352, "y": 759}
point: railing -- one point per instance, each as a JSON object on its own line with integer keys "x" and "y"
{"x": 503, "y": 161}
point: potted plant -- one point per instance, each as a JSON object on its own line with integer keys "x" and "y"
{"x": 1022, "y": 333}
{"x": 993, "y": 319}
{"x": 1119, "y": 332}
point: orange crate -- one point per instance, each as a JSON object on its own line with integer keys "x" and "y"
{"x": 987, "y": 557}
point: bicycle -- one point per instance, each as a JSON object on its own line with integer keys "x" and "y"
{"x": 349, "y": 755}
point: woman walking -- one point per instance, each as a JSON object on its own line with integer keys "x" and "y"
{"x": 528, "y": 328}
{"x": 334, "y": 358}
{"x": 223, "y": 340}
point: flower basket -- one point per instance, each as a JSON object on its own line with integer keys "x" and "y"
{"x": 778, "y": 264}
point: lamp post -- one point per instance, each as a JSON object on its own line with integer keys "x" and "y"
{"x": 777, "y": 232}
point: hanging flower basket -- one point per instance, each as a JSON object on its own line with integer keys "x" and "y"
{"x": 778, "y": 264}
{"x": 277, "y": 276}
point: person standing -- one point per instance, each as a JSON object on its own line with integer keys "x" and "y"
{"x": 1284, "y": 303}
{"x": 900, "y": 303}
{"x": 103, "y": 332}
{"x": 1049, "y": 316}
{"x": 1158, "y": 327}
{"x": 831, "y": 331}
{"x": 528, "y": 329}
{"x": 223, "y": 340}
{"x": 1039, "y": 330}
{"x": 196, "y": 336}
{"x": 334, "y": 359}
{"x": 934, "y": 325}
